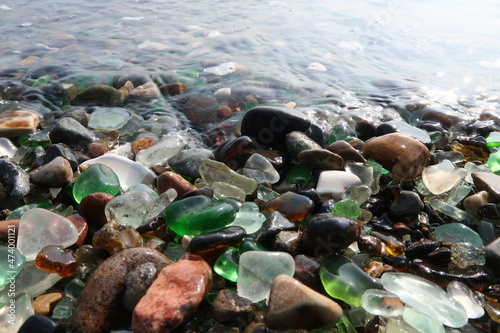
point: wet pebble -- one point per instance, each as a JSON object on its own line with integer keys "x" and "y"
{"x": 98, "y": 94}
{"x": 18, "y": 122}
{"x": 92, "y": 208}
{"x": 320, "y": 159}
{"x": 169, "y": 179}
{"x": 229, "y": 306}
{"x": 53, "y": 174}
{"x": 187, "y": 162}
{"x": 15, "y": 181}
{"x": 346, "y": 151}
{"x": 406, "y": 203}
{"x": 72, "y": 133}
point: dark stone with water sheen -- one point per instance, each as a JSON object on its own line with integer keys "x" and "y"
{"x": 72, "y": 133}
{"x": 14, "y": 180}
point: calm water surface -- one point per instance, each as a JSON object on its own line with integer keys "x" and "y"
{"x": 364, "y": 51}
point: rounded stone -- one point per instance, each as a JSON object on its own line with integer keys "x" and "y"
{"x": 57, "y": 150}
{"x": 137, "y": 283}
{"x": 53, "y": 174}
{"x": 403, "y": 155}
{"x": 327, "y": 233}
{"x": 346, "y": 151}
{"x": 98, "y": 94}
{"x": 96, "y": 149}
{"x": 320, "y": 159}
{"x": 269, "y": 126}
{"x": 169, "y": 179}
{"x": 293, "y": 305}
{"x": 488, "y": 182}
{"x": 14, "y": 180}
{"x": 201, "y": 111}
{"x": 44, "y": 304}
{"x": 406, "y": 203}
{"x": 297, "y": 141}
{"x": 92, "y": 208}
{"x": 228, "y": 306}
{"x": 72, "y": 133}
{"x": 40, "y": 324}
{"x": 187, "y": 162}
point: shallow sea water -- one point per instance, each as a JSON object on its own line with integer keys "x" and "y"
{"x": 360, "y": 50}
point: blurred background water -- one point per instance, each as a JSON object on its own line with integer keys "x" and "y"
{"x": 445, "y": 52}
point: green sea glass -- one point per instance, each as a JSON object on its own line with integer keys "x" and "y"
{"x": 494, "y": 162}
{"x": 11, "y": 264}
{"x": 343, "y": 280}
{"x": 227, "y": 264}
{"x": 97, "y": 178}
{"x": 35, "y": 139}
{"x": 198, "y": 215}
{"x": 347, "y": 208}
{"x": 493, "y": 139}
{"x": 300, "y": 174}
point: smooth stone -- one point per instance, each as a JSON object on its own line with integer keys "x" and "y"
{"x": 427, "y": 297}
{"x": 146, "y": 92}
{"x": 461, "y": 293}
{"x": 40, "y": 324}
{"x": 142, "y": 143}
{"x": 158, "y": 154}
{"x": 473, "y": 202}
{"x": 306, "y": 270}
{"x": 346, "y": 151}
{"x": 320, "y": 159}
{"x": 14, "y": 180}
{"x": 269, "y": 126}
{"x": 53, "y": 174}
{"x": 130, "y": 208}
{"x": 114, "y": 237}
{"x": 295, "y": 207}
{"x": 393, "y": 126}
{"x": 92, "y": 208}
{"x": 172, "y": 89}
{"x": 96, "y": 178}
{"x": 381, "y": 303}
{"x": 488, "y": 182}
{"x": 327, "y": 233}
{"x": 422, "y": 322}
{"x": 44, "y": 304}
{"x": 274, "y": 223}
{"x": 198, "y": 215}
{"x": 258, "y": 168}
{"x": 213, "y": 242}
{"x": 174, "y": 295}
{"x": 489, "y": 211}
{"x": 404, "y": 156}
{"x": 458, "y": 233}
{"x": 372, "y": 245}
{"x": 213, "y": 171}
{"x": 343, "y": 280}
{"x": 228, "y": 306}
{"x": 187, "y": 162}
{"x": 406, "y": 203}
{"x": 129, "y": 172}
{"x": 257, "y": 271}
{"x": 18, "y": 122}
{"x": 108, "y": 118}
{"x": 492, "y": 256}
{"x": 96, "y": 149}
{"x": 137, "y": 283}
{"x": 201, "y": 111}
{"x": 39, "y": 227}
{"x": 293, "y": 305}
{"x": 99, "y": 307}
{"x": 335, "y": 182}
{"x": 81, "y": 226}
{"x": 234, "y": 152}
{"x": 442, "y": 177}
{"x": 56, "y": 150}
{"x": 72, "y": 133}
{"x": 98, "y": 94}
{"x": 7, "y": 148}
{"x": 169, "y": 179}
{"x": 297, "y": 141}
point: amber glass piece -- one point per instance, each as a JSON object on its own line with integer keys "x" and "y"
{"x": 394, "y": 247}
{"x": 294, "y": 206}
{"x": 472, "y": 150}
{"x": 57, "y": 259}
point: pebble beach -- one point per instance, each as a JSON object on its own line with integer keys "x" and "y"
{"x": 209, "y": 198}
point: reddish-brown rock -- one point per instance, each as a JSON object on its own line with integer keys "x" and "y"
{"x": 142, "y": 143}
{"x": 346, "y": 151}
{"x": 169, "y": 179}
{"x": 82, "y": 227}
{"x": 403, "y": 155}
{"x": 15, "y": 123}
{"x": 175, "y": 294}
{"x": 92, "y": 209}
{"x": 96, "y": 149}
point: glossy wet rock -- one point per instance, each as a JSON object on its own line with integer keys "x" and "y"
{"x": 488, "y": 182}
{"x": 53, "y": 174}
{"x": 404, "y": 156}
{"x": 293, "y": 305}
{"x": 40, "y": 324}
{"x": 346, "y": 151}
{"x": 297, "y": 141}
{"x": 187, "y": 162}
{"x": 270, "y": 125}
{"x": 18, "y": 122}
{"x": 201, "y": 110}
{"x": 326, "y": 233}
{"x": 294, "y": 206}
{"x": 169, "y": 179}
{"x": 56, "y": 150}
{"x": 99, "y": 306}
{"x": 92, "y": 208}
{"x": 173, "y": 296}
{"x": 320, "y": 159}
{"x": 98, "y": 94}
{"x": 406, "y": 203}
{"x": 72, "y": 133}
{"x": 114, "y": 237}
{"x": 211, "y": 245}
{"x": 14, "y": 180}
{"x": 228, "y": 306}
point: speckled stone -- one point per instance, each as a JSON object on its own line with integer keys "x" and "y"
{"x": 53, "y": 174}
{"x": 17, "y": 122}
{"x": 293, "y": 305}
{"x": 201, "y": 111}
{"x": 172, "y": 89}
{"x": 137, "y": 283}
{"x": 99, "y": 307}
{"x": 320, "y": 159}
{"x": 297, "y": 141}
{"x": 488, "y": 182}
{"x": 228, "y": 305}
{"x": 403, "y": 155}
{"x": 175, "y": 294}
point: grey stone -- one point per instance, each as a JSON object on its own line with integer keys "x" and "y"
{"x": 406, "y": 203}
{"x": 15, "y": 182}
{"x": 72, "y": 133}
{"x": 53, "y": 174}
{"x": 187, "y": 162}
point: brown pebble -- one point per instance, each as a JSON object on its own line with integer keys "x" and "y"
{"x": 142, "y": 143}
{"x": 9, "y": 225}
{"x": 145, "y": 92}
{"x": 45, "y": 304}
{"x": 201, "y": 111}
{"x": 346, "y": 151}
{"x": 488, "y": 182}
{"x": 170, "y": 179}
{"x": 99, "y": 308}
{"x": 401, "y": 229}
{"x": 82, "y": 227}
{"x": 96, "y": 149}
{"x": 224, "y": 112}
{"x": 376, "y": 269}
{"x": 173, "y": 89}
{"x": 403, "y": 155}
{"x": 228, "y": 305}
{"x": 473, "y": 202}
{"x": 173, "y": 296}
{"x": 92, "y": 209}
{"x": 306, "y": 269}
{"x": 321, "y": 159}
{"x": 114, "y": 237}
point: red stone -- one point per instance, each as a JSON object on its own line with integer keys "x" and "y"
{"x": 82, "y": 227}
{"x": 170, "y": 179}
{"x": 92, "y": 209}
{"x": 174, "y": 295}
